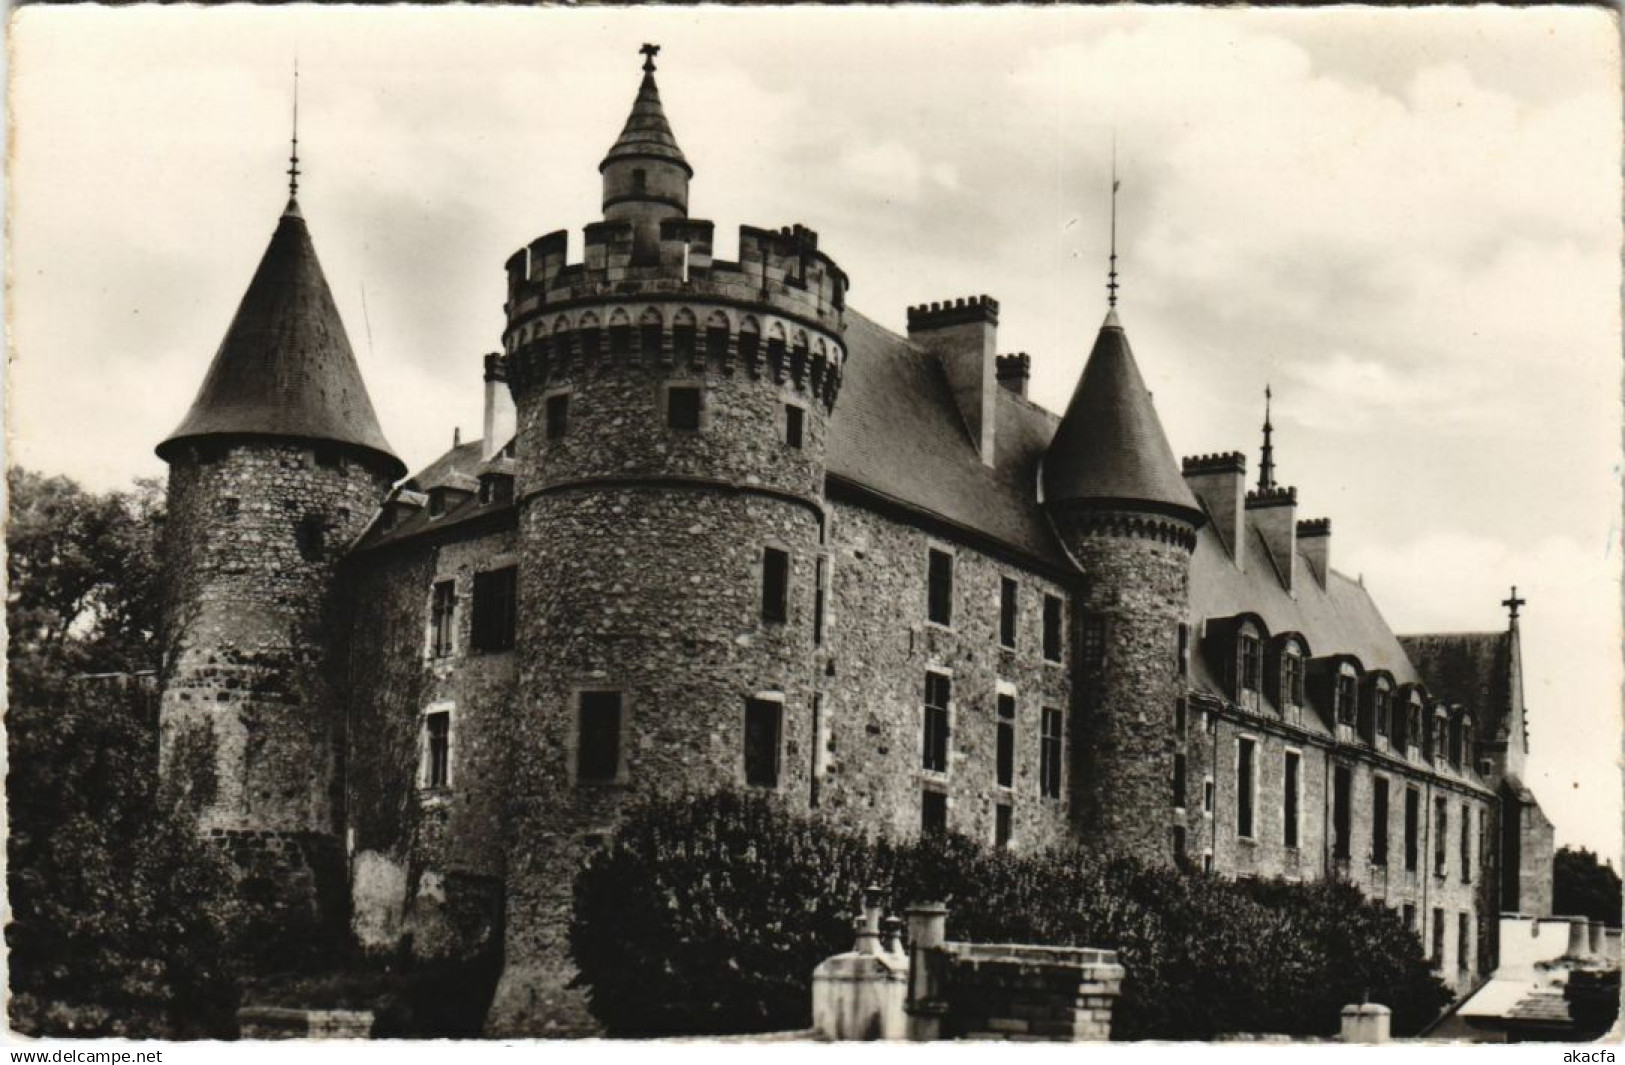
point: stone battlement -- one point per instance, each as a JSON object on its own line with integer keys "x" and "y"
{"x": 1272, "y": 497}
{"x": 1226, "y": 461}
{"x": 1314, "y": 527}
{"x": 779, "y": 269}
{"x": 954, "y": 312}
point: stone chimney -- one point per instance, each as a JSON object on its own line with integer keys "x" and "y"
{"x": 499, "y": 410}
{"x": 1315, "y": 537}
{"x": 1274, "y": 512}
{"x": 1014, "y": 372}
{"x": 1219, "y": 481}
{"x": 961, "y": 334}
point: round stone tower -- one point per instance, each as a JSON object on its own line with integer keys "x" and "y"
{"x": 276, "y": 468}
{"x": 672, "y": 420}
{"x": 1129, "y": 522}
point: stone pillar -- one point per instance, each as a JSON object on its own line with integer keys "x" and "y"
{"x": 1597, "y": 936}
{"x": 927, "y": 932}
{"x": 1579, "y": 938}
{"x": 863, "y": 993}
{"x": 1365, "y": 1023}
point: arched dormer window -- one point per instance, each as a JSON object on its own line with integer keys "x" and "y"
{"x": 1286, "y": 669}
{"x": 1376, "y": 706}
{"x": 1438, "y": 737}
{"x": 1469, "y": 755}
{"x": 1249, "y": 665}
{"x": 1346, "y": 695}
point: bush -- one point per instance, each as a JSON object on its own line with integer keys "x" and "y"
{"x": 707, "y": 916}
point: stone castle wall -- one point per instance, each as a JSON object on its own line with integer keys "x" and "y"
{"x": 878, "y": 648}
{"x": 427, "y": 861}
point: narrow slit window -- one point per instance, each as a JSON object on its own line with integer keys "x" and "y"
{"x": 940, "y": 587}
{"x": 1005, "y": 751}
{"x": 1050, "y": 751}
{"x": 1052, "y": 628}
{"x": 775, "y": 585}
{"x": 598, "y": 747}
{"x": 764, "y": 720}
{"x": 794, "y": 423}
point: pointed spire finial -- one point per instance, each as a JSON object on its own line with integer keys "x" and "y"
{"x": 1266, "y": 467}
{"x": 1111, "y": 272}
{"x": 649, "y": 52}
{"x": 293, "y": 159}
{"x": 1512, "y": 604}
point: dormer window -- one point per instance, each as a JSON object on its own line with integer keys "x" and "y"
{"x": 1414, "y": 736}
{"x": 1467, "y": 761}
{"x": 437, "y": 502}
{"x": 496, "y": 488}
{"x": 1249, "y": 666}
{"x": 1347, "y": 695}
{"x": 1381, "y": 706}
{"x": 1292, "y": 676}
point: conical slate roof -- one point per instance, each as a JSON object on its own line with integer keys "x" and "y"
{"x": 285, "y": 367}
{"x": 647, "y": 134}
{"x": 1110, "y": 447}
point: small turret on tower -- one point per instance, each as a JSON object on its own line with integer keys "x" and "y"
{"x": 645, "y": 174}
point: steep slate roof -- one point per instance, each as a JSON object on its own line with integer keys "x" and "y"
{"x": 1470, "y": 668}
{"x": 1340, "y": 618}
{"x": 897, "y": 433}
{"x": 647, "y": 133}
{"x": 285, "y": 367}
{"x": 1110, "y": 446}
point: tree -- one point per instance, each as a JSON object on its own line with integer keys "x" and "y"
{"x": 121, "y": 916}
{"x": 1582, "y": 886}
{"x": 82, "y": 581}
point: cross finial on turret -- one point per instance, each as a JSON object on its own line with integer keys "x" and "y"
{"x": 1266, "y": 466}
{"x": 1111, "y": 272}
{"x": 293, "y": 160}
{"x": 1512, "y": 604}
{"x": 649, "y": 52}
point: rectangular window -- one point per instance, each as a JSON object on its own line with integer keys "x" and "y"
{"x": 1183, "y": 661}
{"x": 1179, "y": 718}
{"x": 775, "y": 584}
{"x": 1207, "y": 861}
{"x": 939, "y": 606}
{"x": 933, "y": 813}
{"x": 1441, "y": 830}
{"x": 1049, "y": 754}
{"x": 1052, "y": 628}
{"x": 1291, "y": 796}
{"x": 1342, "y": 797}
{"x": 1005, "y": 759}
{"x": 442, "y": 617}
{"x": 1092, "y": 638}
{"x": 1244, "y": 788}
{"x": 557, "y": 416}
{"x": 1409, "y": 913}
{"x": 496, "y": 610}
{"x": 683, "y": 408}
{"x": 437, "y": 749}
{"x": 1379, "y": 821}
{"x": 1179, "y": 781}
{"x": 1007, "y": 612}
{"x": 1294, "y": 678}
{"x": 1438, "y": 939}
{"x": 1464, "y": 948}
{"x": 1413, "y": 827}
{"x": 1380, "y": 696}
{"x": 794, "y": 422}
{"x": 1001, "y": 825}
{"x": 819, "y": 579}
{"x": 1466, "y": 845}
{"x": 938, "y": 690}
{"x": 1180, "y": 857}
{"x": 1207, "y": 796}
{"x": 598, "y": 744}
{"x": 764, "y": 718}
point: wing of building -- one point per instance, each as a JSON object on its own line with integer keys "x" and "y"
{"x": 722, "y": 530}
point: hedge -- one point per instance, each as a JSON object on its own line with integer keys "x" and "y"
{"x": 706, "y": 915}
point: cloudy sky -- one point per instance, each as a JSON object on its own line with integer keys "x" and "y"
{"x": 1408, "y": 222}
